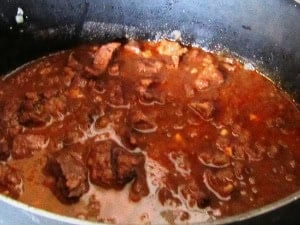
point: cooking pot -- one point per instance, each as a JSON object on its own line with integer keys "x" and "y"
{"x": 265, "y": 34}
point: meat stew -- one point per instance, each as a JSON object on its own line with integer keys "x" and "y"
{"x": 140, "y": 131}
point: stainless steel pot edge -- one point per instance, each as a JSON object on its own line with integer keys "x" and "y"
{"x": 36, "y": 214}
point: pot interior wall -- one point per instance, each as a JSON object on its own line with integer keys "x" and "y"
{"x": 265, "y": 33}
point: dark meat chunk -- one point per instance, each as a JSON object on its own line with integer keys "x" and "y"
{"x": 4, "y": 150}
{"x": 70, "y": 173}
{"x": 113, "y": 167}
{"x": 142, "y": 123}
{"x": 104, "y": 55}
{"x": 203, "y": 109}
{"x": 10, "y": 181}
{"x": 100, "y": 165}
{"x": 127, "y": 164}
{"x": 24, "y": 145}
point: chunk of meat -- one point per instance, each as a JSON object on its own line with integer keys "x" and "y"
{"x": 113, "y": 167}
{"x": 10, "y": 181}
{"x": 203, "y": 109}
{"x": 25, "y": 145}
{"x": 104, "y": 55}
{"x": 101, "y": 166}
{"x": 126, "y": 165}
{"x": 70, "y": 173}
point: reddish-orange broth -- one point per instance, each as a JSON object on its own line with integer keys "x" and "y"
{"x": 141, "y": 131}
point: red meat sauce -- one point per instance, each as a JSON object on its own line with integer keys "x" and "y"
{"x": 144, "y": 132}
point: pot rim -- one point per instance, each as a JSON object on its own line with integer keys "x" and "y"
{"x": 74, "y": 221}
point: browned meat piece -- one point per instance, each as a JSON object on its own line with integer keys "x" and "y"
{"x": 70, "y": 173}
{"x": 126, "y": 165}
{"x": 10, "y": 181}
{"x": 4, "y": 150}
{"x": 100, "y": 165}
{"x": 203, "y": 109}
{"x": 24, "y": 145}
{"x": 113, "y": 167}
{"x": 142, "y": 123}
{"x": 104, "y": 55}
